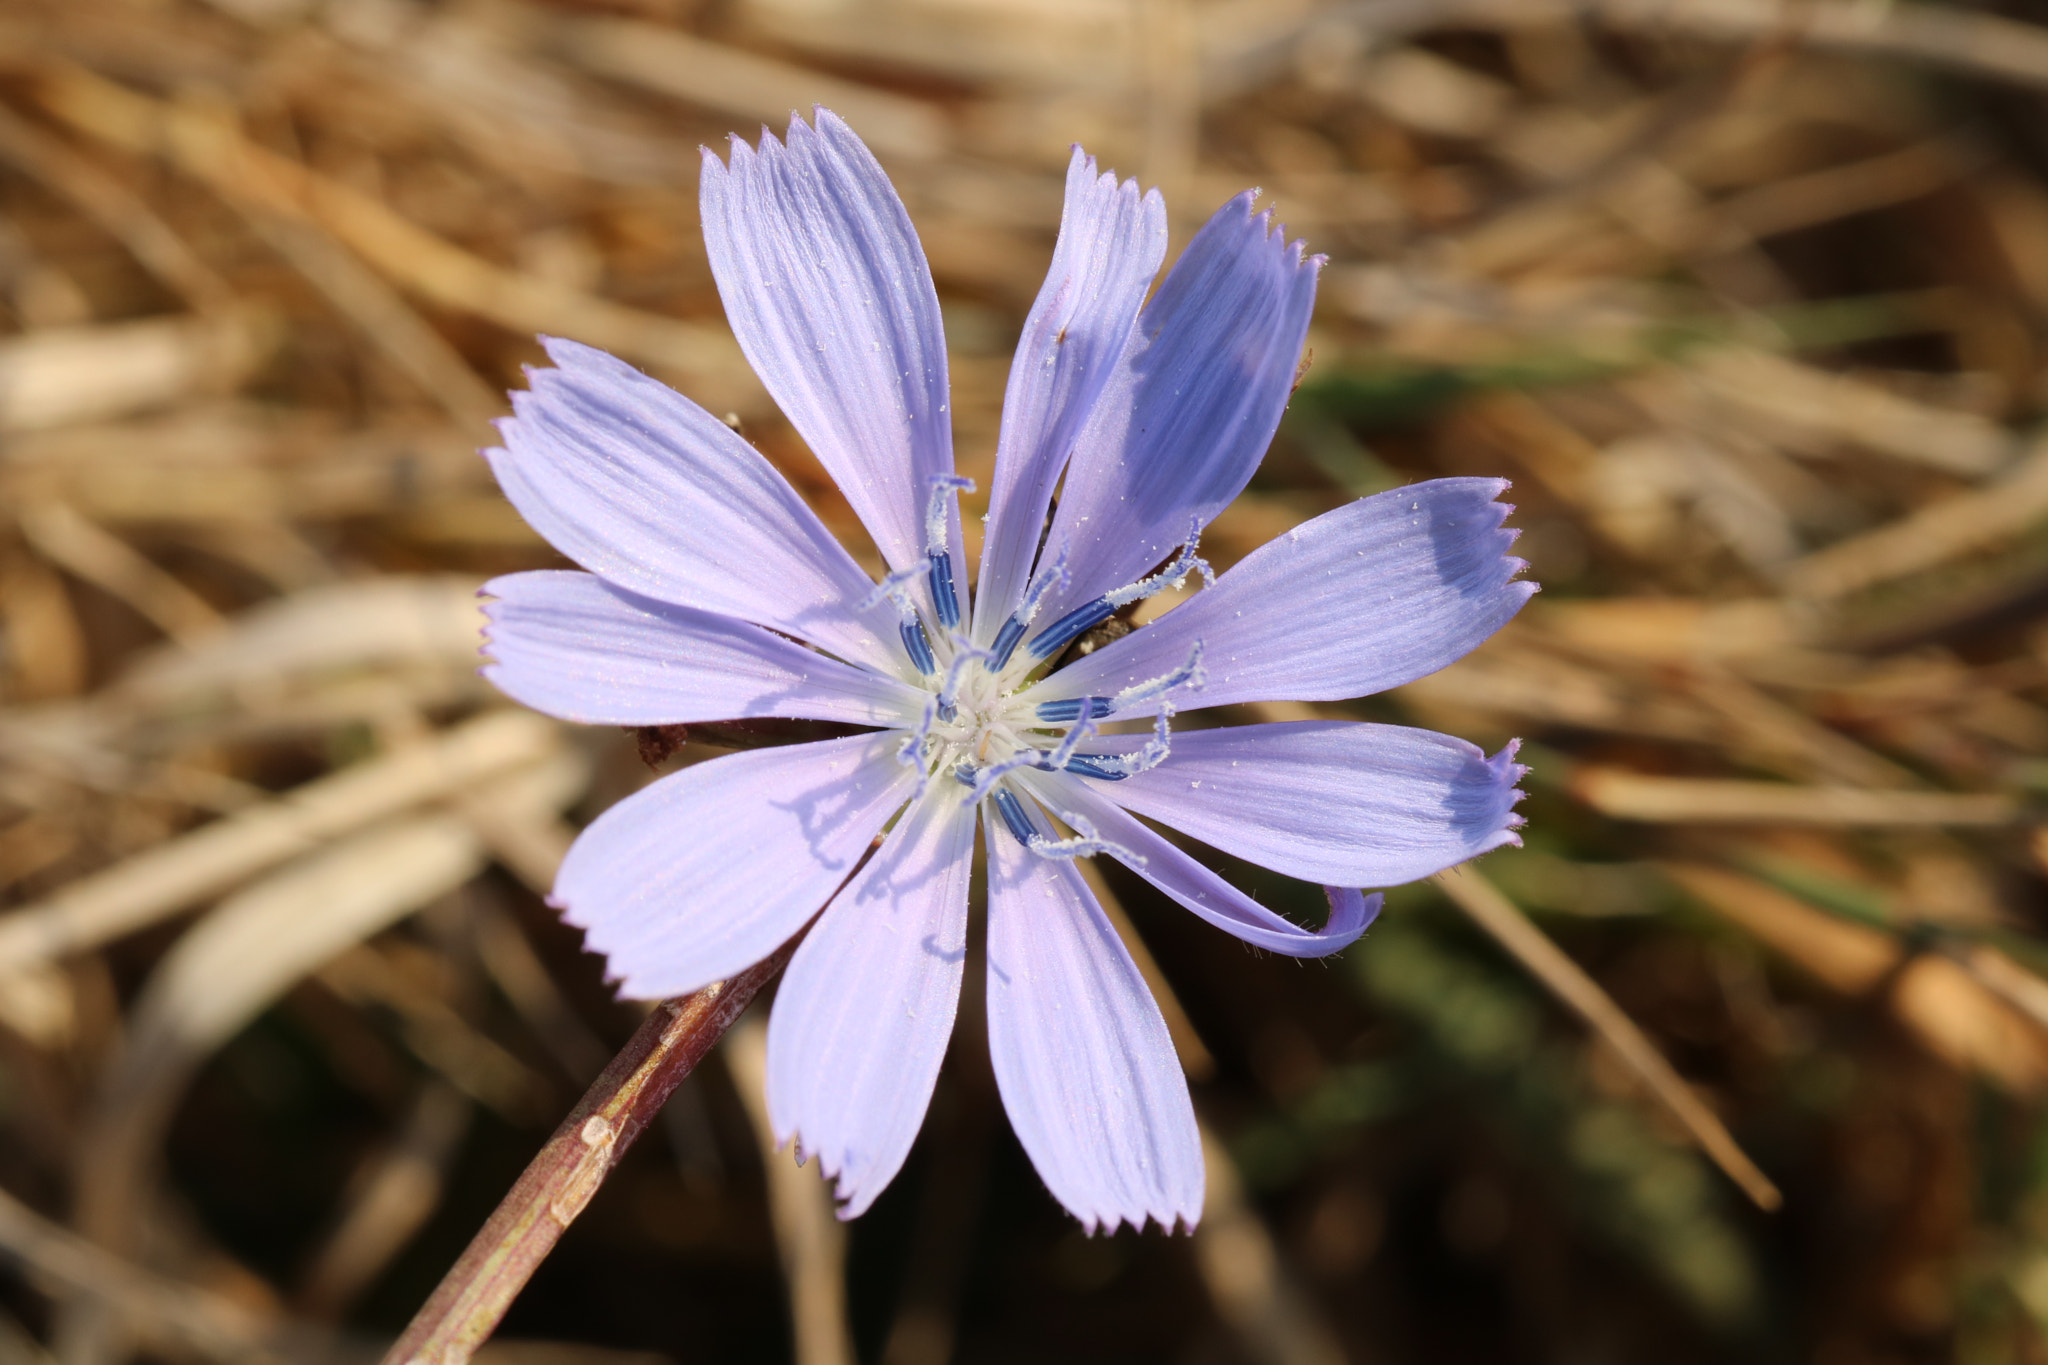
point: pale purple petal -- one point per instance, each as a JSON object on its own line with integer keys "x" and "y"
{"x": 1160, "y": 862}
{"x": 1375, "y": 594}
{"x": 575, "y": 646}
{"x": 863, "y": 1014}
{"x": 711, "y": 869}
{"x": 1081, "y": 1053}
{"x": 828, "y": 292}
{"x": 1110, "y": 245}
{"x": 1179, "y": 429}
{"x": 1343, "y": 803}
{"x": 645, "y": 489}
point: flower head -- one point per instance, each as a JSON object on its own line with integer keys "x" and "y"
{"x": 714, "y": 593}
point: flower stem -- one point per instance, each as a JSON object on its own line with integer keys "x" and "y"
{"x": 556, "y": 1186}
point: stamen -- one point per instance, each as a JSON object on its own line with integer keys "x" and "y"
{"x": 1062, "y": 632}
{"x": 938, "y": 547}
{"x": 1052, "y": 577}
{"x": 1012, "y": 811}
{"x": 919, "y": 646}
{"x": 944, "y": 599}
{"x": 1088, "y": 766}
{"x": 1172, "y": 576}
{"x": 1061, "y": 712}
{"x": 895, "y": 587}
{"x": 1086, "y": 843}
{"x": 1144, "y": 760}
{"x": 949, "y": 690}
{"x": 1053, "y": 762}
{"x": 1189, "y": 674}
{"x": 985, "y": 781}
{"x": 1083, "y": 728}
{"x": 936, "y": 507}
{"x": 910, "y": 753}
{"x": 1006, "y": 642}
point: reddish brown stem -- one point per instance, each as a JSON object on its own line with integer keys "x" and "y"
{"x": 473, "y": 1296}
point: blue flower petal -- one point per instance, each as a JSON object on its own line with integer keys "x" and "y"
{"x": 1162, "y": 863}
{"x": 647, "y": 490}
{"x": 574, "y": 646}
{"x": 1193, "y": 405}
{"x": 1081, "y": 1053}
{"x": 1343, "y": 803}
{"x": 1375, "y": 594}
{"x": 713, "y": 868}
{"x": 1110, "y": 245}
{"x": 864, "y": 1011}
{"x": 827, "y": 289}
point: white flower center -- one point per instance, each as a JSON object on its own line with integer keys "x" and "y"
{"x": 975, "y": 730}
{"x": 984, "y": 727}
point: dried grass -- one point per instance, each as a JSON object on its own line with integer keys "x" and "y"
{"x": 1749, "y": 299}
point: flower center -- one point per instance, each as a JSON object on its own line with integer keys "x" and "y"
{"x": 975, "y": 729}
{"x": 973, "y": 724}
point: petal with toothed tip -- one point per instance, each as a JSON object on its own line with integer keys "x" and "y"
{"x": 1111, "y": 242}
{"x": 1342, "y": 803}
{"x": 1372, "y": 595}
{"x": 1193, "y": 404}
{"x": 653, "y": 494}
{"x": 863, "y": 1014}
{"x": 1081, "y": 1053}
{"x": 827, "y": 289}
{"x": 575, "y": 646}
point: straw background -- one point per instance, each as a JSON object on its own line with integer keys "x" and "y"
{"x": 1749, "y": 298}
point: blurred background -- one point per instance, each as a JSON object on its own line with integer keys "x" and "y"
{"x": 1748, "y": 297}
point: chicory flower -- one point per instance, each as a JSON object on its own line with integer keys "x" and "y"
{"x": 714, "y": 593}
